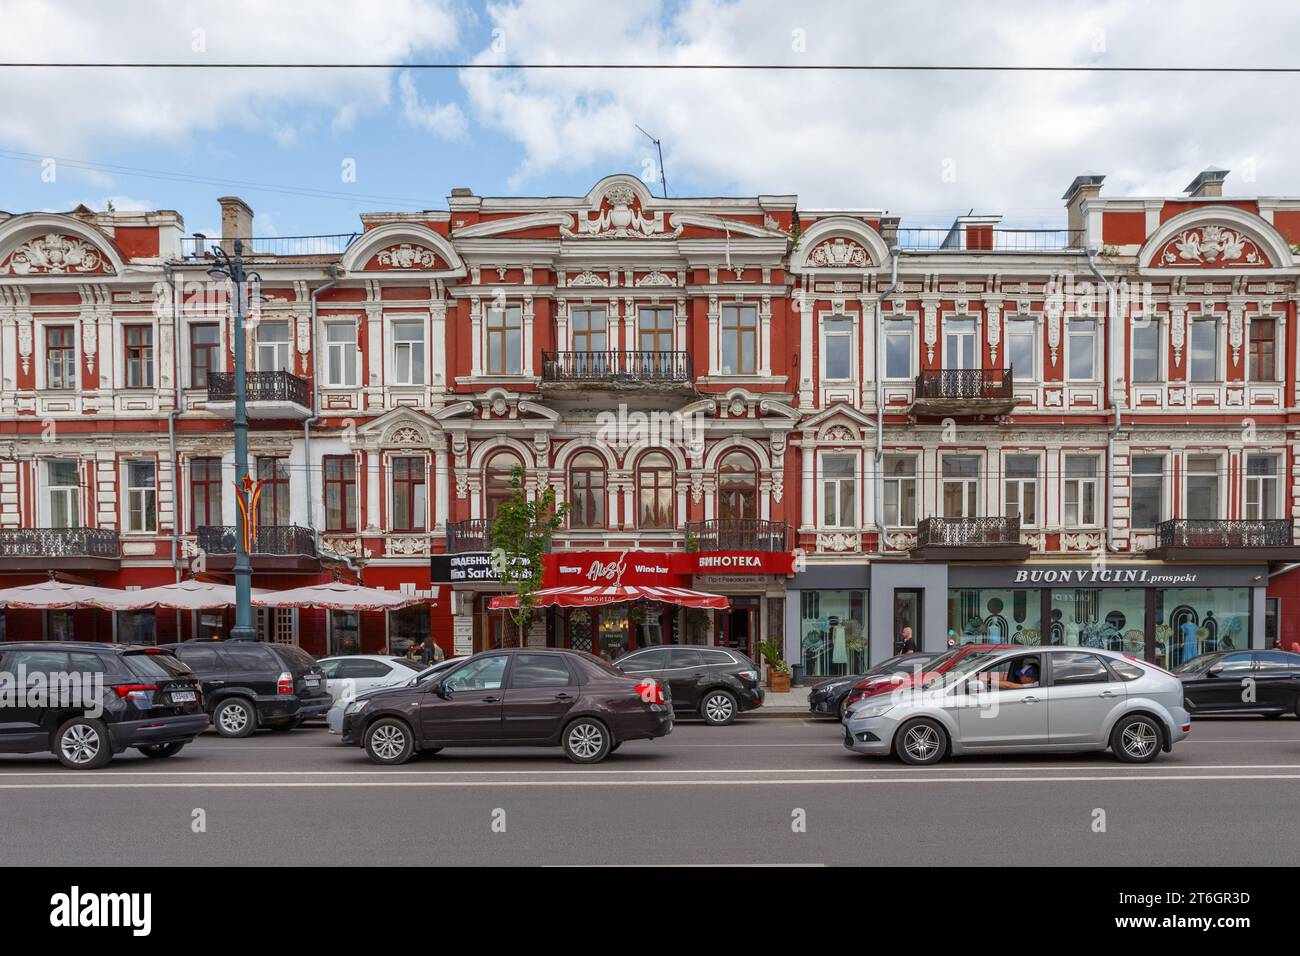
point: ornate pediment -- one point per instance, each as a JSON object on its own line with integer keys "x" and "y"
{"x": 617, "y": 211}
{"x": 406, "y": 255}
{"x": 55, "y": 254}
{"x": 839, "y": 253}
{"x": 1211, "y": 246}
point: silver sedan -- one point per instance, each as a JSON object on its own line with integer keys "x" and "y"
{"x": 1030, "y": 699}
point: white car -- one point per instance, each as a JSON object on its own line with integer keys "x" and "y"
{"x": 355, "y": 674}
{"x": 334, "y": 719}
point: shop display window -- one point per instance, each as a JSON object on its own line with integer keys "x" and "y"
{"x": 995, "y": 616}
{"x": 1113, "y": 619}
{"x": 833, "y": 632}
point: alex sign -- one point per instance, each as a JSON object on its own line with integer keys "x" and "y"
{"x": 656, "y": 568}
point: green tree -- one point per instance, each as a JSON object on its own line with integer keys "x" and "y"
{"x": 520, "y": 534}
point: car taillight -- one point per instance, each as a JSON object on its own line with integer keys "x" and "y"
{"x": 748, "y": 675}
{"x": 651, "y": 691}
{"x": 854, "y": 697}
{"x": 126, "y": 690}
{"x": 285, "y": 684}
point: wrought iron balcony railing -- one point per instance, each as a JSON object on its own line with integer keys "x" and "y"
{"x": 614, "y": 366}
{"x": 965, "y": 383}
{"x": 469, "y": 535}
{"x": 260, "y": 387}
{"x": 738, "y": 534}
{"x": 275, "y": 540}
{"x": 59, "y": 543}
{"x": 1203, "y": 533}
{"x": 967, "y": 532}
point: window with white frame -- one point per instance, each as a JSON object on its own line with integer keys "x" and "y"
{"x": 341, "y": 354}
{"x": 960, "y": 491}
{"x": 898, "y": 348}
{"x": 272, "y": 346}
{"x": 900, "y": 491}
{"x": 140, "y": 513}
{"x": 960, "y": 344}
{"x": 1022, "y": 349}
{"x": 1262, "y": 488}
{"x": 1203, "y": 487}
{"x": 137, "y": 356}
{"x": 1147, "y": 493}
{"x": 839, "y": 491}
{"x": 738, "y": 332}
{"x": 63, "y": 493}
{"x": 1146, "y": 350}
{"x": 1203, "y": 351}
{"x": 837, "y": 347}
{"x": 1081, "y": 349}
{"x": 1081, "y": 491}
{"x": 408, "y": 352}
{"x": 1021, "y": 489}
{"x": 505, "y": 340}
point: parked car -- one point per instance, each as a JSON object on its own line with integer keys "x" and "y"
{"x": 938, "y": 665}
{"x": 355, "y": 674}
{"x": 1026, "y": 699}
{"x": 516, "y": 697}
{"x": 827, "y": 698}
{"x": 1242, "y": 682}
{"x": 87, "y": 702}
{"x": 334, "y": 719}
{"x": 251, "y": 684}
{"x": 713, "y": 682}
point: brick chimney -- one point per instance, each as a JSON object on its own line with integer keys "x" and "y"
{"x": 1087, "y": 186}
{"x": 1208, "y": 184}
{"x": 236, "y": 223}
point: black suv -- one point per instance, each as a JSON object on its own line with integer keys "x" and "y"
{"x": 247, "y": 684}
{"x": 715, "y": 683}
{"x": 86, "y": 702}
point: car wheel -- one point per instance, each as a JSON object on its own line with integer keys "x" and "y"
{"x": 1136, "y": 739}
{"x": 718, "y": 708}
{"x": 161, "y": 750}
{"x": 921, "y": 742}
{"x": 82, "y": 744}
{"x": 586, "y": 741}
{"x": 389, "y": 741}
{"x": 235, "y": 717}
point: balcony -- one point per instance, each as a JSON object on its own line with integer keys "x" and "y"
{"x": 1197, "y": 539}
{"x": 964, "y": 391}
{"x": 51, "y": 549}
{"x": 279, "y": 395}
{"x": 652, "y": 370}
{"x": 275, "y": 548}
{"x": 467, "y": 536}
{"x": 737, "y": 534}
{"x": 969, "y": 539}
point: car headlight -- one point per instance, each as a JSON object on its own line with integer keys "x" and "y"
{"x": 873, "y": 710}
{"x": 357, "y": 706}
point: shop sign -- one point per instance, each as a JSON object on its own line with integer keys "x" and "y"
{"x": 465, "y": 568}
{"x": 1113, "y": 575}
{"x": 735, "y": 562}
{"x": 651, "y": 568}
{"x": 463, "y": 635}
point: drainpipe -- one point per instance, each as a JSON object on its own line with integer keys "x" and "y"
{"x": 1116, "y": 355}
{"x": 170, "y": 279}
{"x": 894, "y": 254}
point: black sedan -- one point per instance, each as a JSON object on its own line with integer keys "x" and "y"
{"x": 827, "y": 698}
{"x": 1242, "y": 682}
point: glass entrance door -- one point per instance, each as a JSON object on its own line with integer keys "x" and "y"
{"x": 907, "y": 613}
{"x": 738, "y": 627}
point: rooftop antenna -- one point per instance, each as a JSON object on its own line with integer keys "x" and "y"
{"x": 663, "y": 178}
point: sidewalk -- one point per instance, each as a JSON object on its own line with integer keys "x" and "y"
{"x": 792, "y": 704}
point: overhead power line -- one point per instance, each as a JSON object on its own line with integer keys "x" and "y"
{"x": 731, "y": 67}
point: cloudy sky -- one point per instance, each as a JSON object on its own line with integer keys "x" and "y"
{"x": 311, "y": 148}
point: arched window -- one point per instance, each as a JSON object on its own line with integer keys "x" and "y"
{"x": 496, "y": 482}
{"x": 737, "y": 486}
{"x": 654, "y": 480}
{"x": 587, "y": 491}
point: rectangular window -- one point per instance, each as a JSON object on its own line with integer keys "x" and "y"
{"x": 1262, "y": 486}
{"x": 1203, "y": 487}
{"x": 273, "y": 502}
{"x": 900, "y": 491}
{"x": 408, "y": 494}
{"x": 205, "y": 352}
{"x": 138, "y": 355}
{"x": 141, "y": 497}
{"x": 272, "y": 352}
{"x": 63, "y": 488}
{"x": 837, "y": 346}
{"x": 1146, "y": 350}
{"x": 1147, "y": 499}
{"x": 961, "y": 486}
{"x": 839, "y": 491}
{"x": 960, "y": 344}
{"x": 505, "y": 340}
{"x": 60, "y": 356}
{"x": 408, "y": 353}
{"x": 1081, "y": 487}
{"x": 898, "y": 348}
{"x": 654, "y": 330}
{"x": 340, "y": 492}
{"x": 739, "y": 332}
{"x": 833, "y": 632}
{"x": 135, "y": 627}
{"x": 1022, "y": 489}
{"x": 341, "y": 355}
{"x": 1022, "y": 349}
{"x": 205, "y": 493}
{"x": 590, "y": 332}
{"x": 1081, "y": 349}
{"x": 1262, "y": 354}
{"x": 1204, "y": 349}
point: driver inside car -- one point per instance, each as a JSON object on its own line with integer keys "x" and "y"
{"x": 1024, "y": 673}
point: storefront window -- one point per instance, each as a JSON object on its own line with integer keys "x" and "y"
{"x": 833, "y": 632}
{"x": 613, "y": 631}
{"x": 995, "y": 616}
{"x": 406, "y": 627}
{"x": 1192, "y": 621}
{"x": 1110, "y": 618}
{"x": 345, "y": 633}
{"x": 136, "y": 627}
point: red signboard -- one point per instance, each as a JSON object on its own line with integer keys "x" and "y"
{"x": 735, "y": 562}
{"x": 656, "y": 568}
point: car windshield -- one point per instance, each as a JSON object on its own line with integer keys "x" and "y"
{"x": 1196, "y": 664}
{"x": 967, "y": 664}
{"x": 155, "y": 664}
{"x": 431, "y": 672}
{"x": 407, "y": 662}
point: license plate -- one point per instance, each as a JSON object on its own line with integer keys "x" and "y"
{"x": 182, "y": 697}
{"x": 312, "y": 681}
{"x": 655, "y": 708}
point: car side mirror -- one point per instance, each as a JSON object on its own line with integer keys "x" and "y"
{"x": 443, "y": 691}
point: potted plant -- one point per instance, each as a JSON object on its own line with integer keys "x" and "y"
{"x": 778, "y": 671}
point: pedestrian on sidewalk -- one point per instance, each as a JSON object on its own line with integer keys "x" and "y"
{"x": 905, "y": 644}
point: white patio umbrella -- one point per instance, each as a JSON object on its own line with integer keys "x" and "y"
{"x": 55, "y": 596}
{"x": 337, "y": 596}
{"x": 188, "y": 595}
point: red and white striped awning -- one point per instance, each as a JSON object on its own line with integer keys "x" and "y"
{"x": 596, "y": 595}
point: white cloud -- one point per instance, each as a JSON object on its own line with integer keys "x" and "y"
{"x": 1014, "y": 141}
{"x": 442, "y": 119}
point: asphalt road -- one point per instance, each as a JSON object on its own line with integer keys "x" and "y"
{"x": 703, "y": 795}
